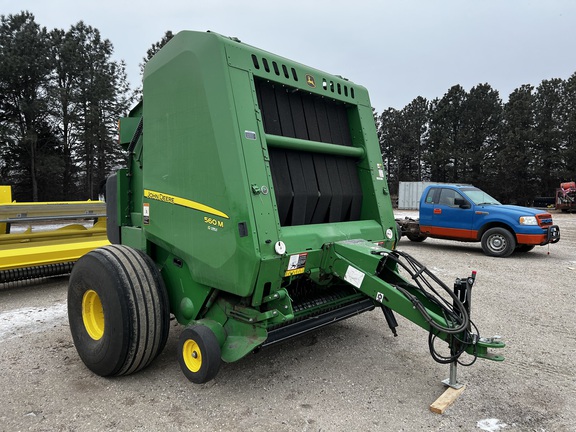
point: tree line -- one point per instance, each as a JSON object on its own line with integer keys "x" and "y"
{"x": 516, "y": 151}
{"x": 61, "y": 94}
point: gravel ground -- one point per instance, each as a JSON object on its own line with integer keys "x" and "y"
{"x": 353, "y": 375}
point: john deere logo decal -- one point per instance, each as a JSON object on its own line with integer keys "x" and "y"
{"x": 310, "y": 81}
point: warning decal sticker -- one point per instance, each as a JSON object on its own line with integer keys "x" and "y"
{"x": 296, "y": 264}
{"x": 354, "y": 276}
{"x": 380, "y": 169}
{"x": 146, "y": 214}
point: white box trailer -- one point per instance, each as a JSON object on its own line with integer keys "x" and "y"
{"x": 409, "y": 194}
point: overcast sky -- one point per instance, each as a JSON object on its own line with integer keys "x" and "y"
{"x": 398, "y": 49}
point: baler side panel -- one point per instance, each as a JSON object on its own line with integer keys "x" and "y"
{"x": 263, "y": 223}
{"x": 191, "y": 152}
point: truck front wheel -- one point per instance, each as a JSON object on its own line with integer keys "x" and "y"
{"x": 524, "y": 248}
{"x": 498, "y": 242}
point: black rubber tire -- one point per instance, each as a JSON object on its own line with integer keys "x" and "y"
{"x": 117, "y": 294}
{"x": 416, "y": 238}
{"x": 498, "y": 242}
{"x": 524, "y": 248}
{"x": 199, "y": 354}
{"x": 399, "y": 231}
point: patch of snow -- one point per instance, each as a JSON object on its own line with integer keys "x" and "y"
{"x": 21, "y": 228}
{"x": 401, "y": 214}
{"x": 19, "y": 322}
{"x": 490, "y": 425}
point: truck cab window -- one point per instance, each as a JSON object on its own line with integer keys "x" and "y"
{"x": 451, "y": 198}
{"x": 433, "y": 196}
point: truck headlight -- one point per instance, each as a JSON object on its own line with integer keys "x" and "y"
{"x": 528, "y": 220}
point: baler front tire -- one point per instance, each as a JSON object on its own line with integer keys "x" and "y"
{"x": 498, "y": 242}
{"x": 199, "y": 354}
{"x": 118, "y": 310}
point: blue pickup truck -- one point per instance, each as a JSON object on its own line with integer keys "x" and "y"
{"x": 466, "y": 213}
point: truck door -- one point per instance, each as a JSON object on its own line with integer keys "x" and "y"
{"x": 447, "y": 213}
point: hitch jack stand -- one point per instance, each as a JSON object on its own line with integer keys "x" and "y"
{"x": 452, "y": 381}
{"x": 462, "y": 289}
{"x": 451, "y": 393}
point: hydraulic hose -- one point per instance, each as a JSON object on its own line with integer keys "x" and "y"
{"x": 455, "y": 314}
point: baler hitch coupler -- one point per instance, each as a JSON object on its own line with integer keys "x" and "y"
{"x": 399, "y": 283}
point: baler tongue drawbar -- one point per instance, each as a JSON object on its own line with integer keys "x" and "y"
{"x": 373, "y": 270}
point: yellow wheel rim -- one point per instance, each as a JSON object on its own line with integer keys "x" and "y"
{"x": 93, "y": 314}
{"x": 192, "y": 355}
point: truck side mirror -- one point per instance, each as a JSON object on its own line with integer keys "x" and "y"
{"x": 462, "y": 203}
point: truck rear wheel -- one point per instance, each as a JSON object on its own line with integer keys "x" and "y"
{"x": 498, "y": 242}
{"x": 118, "y": 310}
{"x": 416, "y": 237}
{"x": 199, "y": 354}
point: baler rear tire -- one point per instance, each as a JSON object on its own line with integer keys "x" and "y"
{"x": 199, "y": 354}
{"x": 118, "y": 310}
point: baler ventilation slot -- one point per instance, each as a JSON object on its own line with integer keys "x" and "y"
{"x": 312, "y": 160}
{"x": 282, "y": 69}
{"x": 275, "y": 67}
{"x": 338, "y": 88}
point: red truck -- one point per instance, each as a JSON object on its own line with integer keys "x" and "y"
{"x": 566, "y": 197}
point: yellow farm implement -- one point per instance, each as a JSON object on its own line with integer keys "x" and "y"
{"x": 45, "y": 238}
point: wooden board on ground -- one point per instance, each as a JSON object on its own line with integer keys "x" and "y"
{"x": 448, "y": 397}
